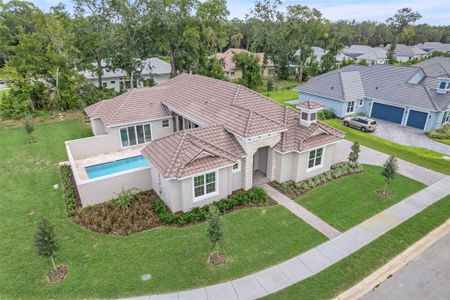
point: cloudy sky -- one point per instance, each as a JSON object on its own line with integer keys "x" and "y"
{"x": 436, "y": 12}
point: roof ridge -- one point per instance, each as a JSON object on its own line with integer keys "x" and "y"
{"x": 431, "y": 98}
{"x": 235, "y": 94}
{"x": 172, "y": 161}
{"x": 342, "y": 85}
{"x": 127, "y": 96}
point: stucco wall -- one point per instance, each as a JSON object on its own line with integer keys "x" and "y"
{"x": 339, "y": 107}
{"x": 106, "y": 188}
{"x": 87, "y": 147}
{"x": 97, "y": 126}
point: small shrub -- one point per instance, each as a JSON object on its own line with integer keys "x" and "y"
{"x": 45, "y": 240}
{"x": 124, "y": 199}
{"x": 441, "y": 133}
{"x": 258, "y": 195}
{"x": 326, "y": 114}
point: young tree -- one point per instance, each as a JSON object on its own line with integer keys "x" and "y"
{"x": 269, "y": 86}
{"x": 389, "y": 171}
{"x": 249, "y": 65}
{"x": 215, "y": 230}
{"x": 45, "y": 241}
{"x": 29, "y": 127}
{"x": 354, "y": 154}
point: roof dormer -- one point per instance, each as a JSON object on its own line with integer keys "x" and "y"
{"x": 443, "y": 85}
{"x": 308, "y": 112}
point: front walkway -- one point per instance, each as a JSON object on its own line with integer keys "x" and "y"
{"x": 408, "y": 136}
{"x": 373, "y": 157}
{"x": 307, "y": 264}
{"x": 302, "y": 213}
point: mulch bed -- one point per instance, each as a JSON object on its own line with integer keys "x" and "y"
{"x": 217, "y": 259}
{"x": 58, "y": 274}
{"x": 383, "y": 194}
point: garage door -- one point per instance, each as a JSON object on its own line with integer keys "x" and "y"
{"x": 387, "y": 112}
{"x": 417, "y": 119}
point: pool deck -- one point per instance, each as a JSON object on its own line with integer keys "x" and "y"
{"x": 81, "y": 164}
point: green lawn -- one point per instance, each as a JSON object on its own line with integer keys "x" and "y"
{"x": 346, "y": 202}
{"x": 419, "y": 156}
{"x": 4, "y": 91}
{"x": 343, "y": 275}
{"x": 102, "y": 266}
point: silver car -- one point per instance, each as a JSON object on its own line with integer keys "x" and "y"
{"x": 362, "y": 123}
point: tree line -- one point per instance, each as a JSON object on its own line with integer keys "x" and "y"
{"x": 42, "y": 53}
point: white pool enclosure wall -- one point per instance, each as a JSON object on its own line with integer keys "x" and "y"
{"x": 101, "y": 189}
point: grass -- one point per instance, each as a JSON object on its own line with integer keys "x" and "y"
{"x": 343, "y": 275}
{"x": 102, "y": 266}
{"x": 282, "y": 96}
{"x": 346, "y": 202}
{"x": 419, "y": 156}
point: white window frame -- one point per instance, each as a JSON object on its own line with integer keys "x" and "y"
{"x": 350, "y": 104}
{"x": 315, "y": 167}
{"x": 238, "y": 163}
{"x": 163, "y": 123}
{"x": 135, "y": 134}
{"x": 205, "y": 195}
{"x": 361, "y": 102}
{"x": 446, "y": 117}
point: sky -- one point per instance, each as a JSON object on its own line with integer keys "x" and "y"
{"x": 434, "y": 12}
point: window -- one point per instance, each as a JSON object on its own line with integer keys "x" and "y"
{"x": 304, "y": 116}
{"x": 446, "y": 118}
{"x": 232, "y": 73}
{"x": 315, "y": 158}
{"x": 135, "y": 135}
{"x": 236, "y": 167}
{"x": 105, "y": 84}
{"x": 442, "y": 85}
{"x": 165, "y": 123}
{"x": 351, "y": 107}
{"x": 270, "y": 71}
{"x": 312, "y": 117}
{"x": 204, "y": 184}
{"x": 361, "y": 102}
{"x": 113, "y": 82}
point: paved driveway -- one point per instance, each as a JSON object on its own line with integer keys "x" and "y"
{"x": 408, "y": 136}
{"x": 426, "y": 277}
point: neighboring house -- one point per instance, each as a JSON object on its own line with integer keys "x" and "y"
{"x": 202, "y": 139}
{"x": 267, "y": 68}
{"x": 430, "y": 47}
{"x": 317, "y": 52}
{"x": 416, "y": 96}
{"x": 372, "y": 55}
{"x": 404, "y": 53}
{"x": 118, "y": 80}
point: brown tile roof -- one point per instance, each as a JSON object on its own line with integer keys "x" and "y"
{"x": 309, "y": 104}
{"x": 193, "y": 151}
{"x": 227, "y": 58}
{"x": 133, "y": 106}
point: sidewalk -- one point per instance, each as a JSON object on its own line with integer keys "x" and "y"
{"x": 307, "y": 264}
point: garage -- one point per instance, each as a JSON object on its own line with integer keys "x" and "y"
{"x": 387, "y": 112}
{"x": 417, "y": 119}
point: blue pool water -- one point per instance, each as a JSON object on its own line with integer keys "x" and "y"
{"x": 116, "y": 166}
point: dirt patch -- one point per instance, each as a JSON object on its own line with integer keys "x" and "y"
{"x": 49, "y": 118}
{"x": 383, "y": 194}
{"x": 217, "y": 259}
{"x": 58, "y": 274}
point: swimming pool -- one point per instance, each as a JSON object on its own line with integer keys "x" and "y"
{"x": 117, "y": 166}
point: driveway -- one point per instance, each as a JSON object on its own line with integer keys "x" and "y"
{"x": 408, "y": 136}
{"x": 426, "y": 277}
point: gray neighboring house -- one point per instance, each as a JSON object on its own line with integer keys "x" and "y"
{"x": 194, "y": 140}
{"x": 372, "y": 55}
{"x": 118, "y": 80}
{"x": 404, "y": 52}
{"x": 416, "y": 96}
{"x": 430, "y": 47}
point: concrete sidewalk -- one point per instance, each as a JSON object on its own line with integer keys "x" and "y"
{"x": 372, "y": 157}
{"x": 304, "y": 214}
{"x": 309, "y": 263}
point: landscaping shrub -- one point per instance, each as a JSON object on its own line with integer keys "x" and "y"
{"x": 124, "y": 199}
{"x": 441, "y": 133}
{"x": 326, "y": 114}
{"x": 69, "y": 190}
{"x": 295, "y": 189}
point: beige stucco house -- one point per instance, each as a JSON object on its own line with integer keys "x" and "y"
{"x": 267, "y": 67}
{"x": 195, "y": 140}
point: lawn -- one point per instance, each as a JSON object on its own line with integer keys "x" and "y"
{"x": 343, "y": 275}
{"x": 419, "y": 156}
{"x": 282, "y": 96}
{"x": 102, "y": 266}
{"x": 346, "y": 202}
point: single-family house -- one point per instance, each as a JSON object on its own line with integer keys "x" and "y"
{"x": 267, "y": 66}
{"x": 195, "y": 140}
{"x": 372, "y": 55}
{"x": 154, "y": 68}
{"x": 430, "y": 47}
{"x": 404, "y": 52}
{"x": 416, "y": 96}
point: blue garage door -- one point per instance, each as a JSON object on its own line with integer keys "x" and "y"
{"x": 417, "y": 119}
{"x": 387, "y": 112}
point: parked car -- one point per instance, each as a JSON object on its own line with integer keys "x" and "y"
{"x": 361, "y": 123}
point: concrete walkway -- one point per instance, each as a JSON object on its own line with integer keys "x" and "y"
{"x": 309, "y": 263}
{"x": 302, "y": 213}
{"x": 372, "y": 157}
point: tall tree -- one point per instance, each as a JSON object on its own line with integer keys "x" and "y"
{"x": 399, "y": 22}
{"x": 249, "y": 65}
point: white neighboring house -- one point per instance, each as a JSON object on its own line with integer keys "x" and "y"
{"x": 372, "y": 55}
{"x": 153, "y": 67}
{"x": 404, "y": 52}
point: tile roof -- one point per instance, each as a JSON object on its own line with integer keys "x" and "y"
{"x": 193, "y": 151}
{"x": 405, "y": 50}
{"x": 380, "y": 82}
{"x": 434, "y": 46}
{"x": 309, "y": 105}
{"x": 365, "y": 52}
{"x": 436, "y": 66}
{"x": 227, "y": 58}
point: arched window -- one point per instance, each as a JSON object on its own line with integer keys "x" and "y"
{"x": 442, "y": 85}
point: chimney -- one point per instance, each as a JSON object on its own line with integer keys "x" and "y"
{"x": 308, "y": 112}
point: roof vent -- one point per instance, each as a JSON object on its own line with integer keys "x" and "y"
{"x": 332, "y": 87}
{"x": 376, "y": 87}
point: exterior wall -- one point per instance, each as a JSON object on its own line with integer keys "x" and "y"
{"x": 114, "y": 82}
{"x": 434, "y": 120}
{"x": 339, "y": 107}
{"x": 98, "y": 128}
{"x": 293, "y": 165}
{"x": 106, "y": 188}
{"x": 87, "y": 147}
{"x": 236, "y": 178}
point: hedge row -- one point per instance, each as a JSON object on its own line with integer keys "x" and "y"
{"x": 255, "y": 197}
{"x": 69, "y": 190}
{"x": 295, "y": 189}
